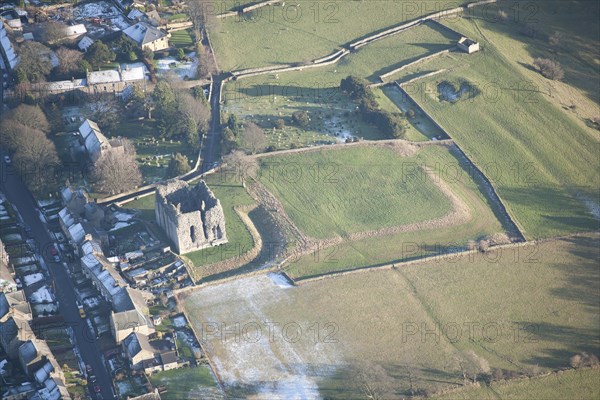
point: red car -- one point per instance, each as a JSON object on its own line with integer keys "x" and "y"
{"x": 97, "y": 389}
{"x": 53, "y": 251}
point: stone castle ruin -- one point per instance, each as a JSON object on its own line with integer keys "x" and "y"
{"x": 192, "y": 217}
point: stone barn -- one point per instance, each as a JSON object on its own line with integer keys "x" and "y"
{"x": 468, "y": 45}
{"x": 192, "y": 217}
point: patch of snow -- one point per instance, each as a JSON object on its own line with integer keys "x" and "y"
{"x": 340, "y": 133}
{"x": 99, "y": 9}
{"x": 12, "y": 237}
{"x": 276, "y": 367}
{"x": 592, "y": 206}
{"x": 33, "y": 278}
{"x": 46, "y": 202}
{"x": 42, "y": 295}
{"x": 120, "y": 225}
{"x": 179, "y": 321}
{"x": 91, "y": 302}
{"x": 180, "y": 68}
{"x": 120, "y": 22}
{"x": 51, "y": 308}
{"x": 280, "y": 280}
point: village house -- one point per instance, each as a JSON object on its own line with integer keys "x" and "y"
{"x": 126, "y": 322}
{"x": 148, "y": 37}
{"x": 129, "y": 305}
{"x": 149, "y": 356}
{"x": 7, "y": 282}
{"x": 15, "y": 314}
{"x": 114, "y": 81}
{"x": 153, "y": 17}
{"x": 38, "y": 362}
{"x": 85, "y": 43}
{"x": 92, "y": 139}
{"x": 74, "y": 31}
{"x": 7, "y": 51}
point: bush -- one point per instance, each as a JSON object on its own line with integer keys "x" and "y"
{"x": 549, "y": 69}
{"x": 391, "y": 124}
{"x": 584, "y": 360}
{"x": 301, "y": 118}
{"x": 483, "y": 245}
{"x": 178, "y": 165}
{"x": 99, "y": 54}
{"x": 149, "y": 54}
{"x": 279, "y": 123}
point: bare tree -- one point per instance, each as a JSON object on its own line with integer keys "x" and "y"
{"x": 549, "y": 69}
{"x": 104, "y": 109}
{"x": 54, "y": 31}
{"x": 116, "y": 170}
{"x": 202, "y": 12}
{"x": 242, "y": 166}
{"x": 194, "y": 109}
{"x": 35, "y": 158}
{"x": 68, "y": 60}
{"x": 10, "y": 131}
{"x": 252, "y": 138}
{"x": 30, "y": 116}
{"x": 555, "y": 39}
{"x": 204, "y": 63}
{"x": 369, "y": 391}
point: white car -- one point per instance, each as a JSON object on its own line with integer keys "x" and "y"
{"x": 7, "y": 159}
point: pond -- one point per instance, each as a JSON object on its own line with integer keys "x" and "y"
{"x": 450, "y": 92}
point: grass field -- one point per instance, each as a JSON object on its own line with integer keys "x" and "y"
{"x": 230, "y": 194}
{"x": 305, "y": 30}
{"x": 145, "y": 205}
{"x": 153, "y": 154}
{"x": 580, "y": 384}
{"x": 426, "y": 322}
{"x": 267, "y": 98}
{"x": 339, "y": 192}
{"x": 543, "y": 162}
{"x": 325, "y": 208}
{"x": 187, "y": 383}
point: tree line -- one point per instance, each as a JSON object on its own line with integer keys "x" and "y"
{"x": 391, "y": 124}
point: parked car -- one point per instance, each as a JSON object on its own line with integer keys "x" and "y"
{"x": 7, "y": 159}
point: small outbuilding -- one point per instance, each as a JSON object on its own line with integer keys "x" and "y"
{"x": 468, "y": 45}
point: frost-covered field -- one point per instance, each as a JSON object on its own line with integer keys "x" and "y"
{"x": 257, "y": 355}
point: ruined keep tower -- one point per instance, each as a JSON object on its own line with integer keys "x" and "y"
{"x": 192, "y": 217}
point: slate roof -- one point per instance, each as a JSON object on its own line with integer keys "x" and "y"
{"x": 143, "y": 33}
{"x": 85, "y": 42}
{"x": 93, "y": 139}
{"x": 15, "y": 300}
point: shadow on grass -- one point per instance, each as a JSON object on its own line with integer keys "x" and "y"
{"x": 551, "y": 210}
{"x": 577, "y": 341}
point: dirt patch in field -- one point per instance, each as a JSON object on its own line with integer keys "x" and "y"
{"x": 404, "y": 149}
